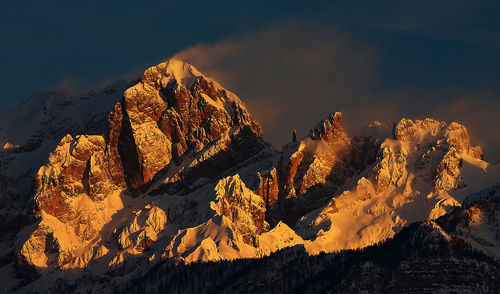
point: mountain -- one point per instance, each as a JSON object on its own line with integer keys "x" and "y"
{"x": 177, "y": 181}
{"x": 29, "y": 132}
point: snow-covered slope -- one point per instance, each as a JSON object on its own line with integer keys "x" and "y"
{"x": 178, "y": 172}
{"x": 160, "y": 134}
{"x": 421, "y": 173}
{"x": 30, "y": 131}
{"x": 477, "y": 221}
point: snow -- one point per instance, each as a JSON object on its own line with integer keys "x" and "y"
{"x": 186, "y": 74}
{"x": 281, "y": 236}
{"x": 217, "y": 104}
{"x": 183, "y": 72}
{"x": 215, "y": 220}
{"x": 366, "y": 215}
{"x": 50, "y": 113}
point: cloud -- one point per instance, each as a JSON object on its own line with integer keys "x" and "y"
{"x": 292, "y": 76}
{"x": 479, "y": 113}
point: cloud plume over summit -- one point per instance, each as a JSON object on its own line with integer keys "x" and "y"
{"x": 291, "y": 76}
{"x": 288, "y": 77}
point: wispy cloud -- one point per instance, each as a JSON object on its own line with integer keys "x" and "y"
{"x": 292, "y": 76}
{"x": 289, "y": 77}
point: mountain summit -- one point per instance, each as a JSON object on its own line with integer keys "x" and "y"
{"x": 181, "y": 174}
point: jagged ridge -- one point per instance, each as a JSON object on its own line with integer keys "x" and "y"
{"x": 183, "y": 174}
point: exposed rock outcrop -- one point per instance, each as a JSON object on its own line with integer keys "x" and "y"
{"x": 240, "y": 205}
{"x": 143, "y": 229}
{"x": 418, "y": 170}
{"x": 313, "y": 169}
{"x": 174, "y": 114}
{"x": 182, "y": 174}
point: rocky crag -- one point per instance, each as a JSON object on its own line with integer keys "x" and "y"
{"x": 180, "y": 174}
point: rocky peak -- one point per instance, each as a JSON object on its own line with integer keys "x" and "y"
{"x": 329, "y": 128}
{"x": 426, "y": 167}
{"x": 311, "y": 160}
{"x": 408, "y": 130}
{"x": 244, "y": 208}
{"x": 159, "y": 76}
{"x": 311, "y": 170}
{"x": 377, "y": 124}
{"x": 377, "y": 130}
{"x": 458, "y": 137}
{"x": 454, "y": 135}
{"x": 437, "y": 149}
{"x": 182, "y": 173}
{"x": 174, "y": 110}
{"x": 173, "y": 114}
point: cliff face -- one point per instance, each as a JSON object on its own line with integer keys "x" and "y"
{"x": 181, "y": 174}
{"x": 31, "y": 131}
{"x": 421, "y": 173}
{"x": 173, "y": 120}
{"x": 172, "y": 111}
{"x": 313, "y": 169}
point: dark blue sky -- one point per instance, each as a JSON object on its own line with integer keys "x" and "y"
{"x": 44, "y": 42}
{"x": 423, "y": 55}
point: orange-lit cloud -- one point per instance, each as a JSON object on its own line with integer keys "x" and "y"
{"x": 289, "y": 77}
{"x": 293, "y": 76}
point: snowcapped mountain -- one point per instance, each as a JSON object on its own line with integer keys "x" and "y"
{"x": 178, "y": 173}
{"x": 29, "y": 132}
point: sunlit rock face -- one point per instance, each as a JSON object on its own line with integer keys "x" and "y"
{"x": 268, "y": 186}
{"x": 419, "y": 174}
{"x": 235, "y": 220}
{"x": 182, "y": 174}
{"x": 311, "y": 170}
{"x": 63, "y": 177}
{"x": 33, "y": 129}
{"x": 235, "y": 201}
{"x": 314, "y": 157}
{"x": 174, "y": 114}
{"x": 173, "y": 110}
{"x": 143, "y": 229}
